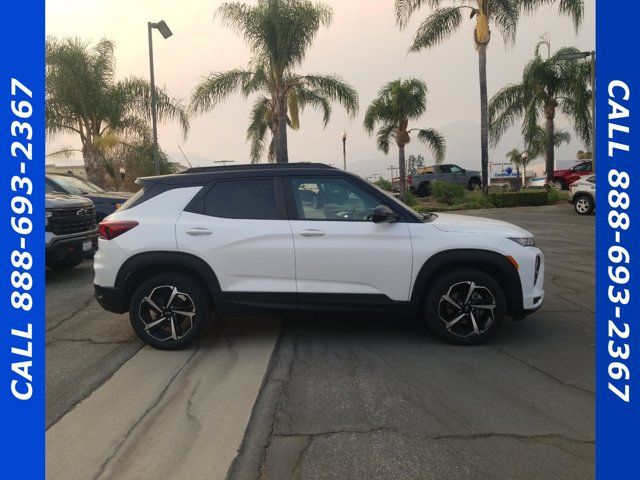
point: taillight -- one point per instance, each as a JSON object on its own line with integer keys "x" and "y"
{"x": 409, "y": 179}
{"x": 108, "y": 230}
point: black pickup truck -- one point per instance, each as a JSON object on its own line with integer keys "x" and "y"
{"x": 71, "y": 232}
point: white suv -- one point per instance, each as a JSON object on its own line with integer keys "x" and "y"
{"x": 270, "y": 238}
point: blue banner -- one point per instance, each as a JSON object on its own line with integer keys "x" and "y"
{"x": 617, "y": 252}
{"x": 22, "y": 217}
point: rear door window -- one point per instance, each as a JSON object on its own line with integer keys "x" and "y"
{"x": 251, "y": 199}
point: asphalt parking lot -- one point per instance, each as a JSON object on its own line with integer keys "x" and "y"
{"x": 320, "y": 397}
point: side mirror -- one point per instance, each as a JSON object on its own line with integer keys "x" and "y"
{"x": 383, "y": 214}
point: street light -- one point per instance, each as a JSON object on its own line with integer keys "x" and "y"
{"x": 344, "y": 148}
{"x": 165, "y": 31}
{"x": 524, "y": 157}
{"x": 580, "y": 56}
{"x": 123, "y": 175}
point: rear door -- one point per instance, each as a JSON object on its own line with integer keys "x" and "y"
{"x": 340, "y": 253}
{"x": 240, "y": 228}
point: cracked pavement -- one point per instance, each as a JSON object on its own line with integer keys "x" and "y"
{"x": 331, "y": 396}
{"x": 379, "y": 398}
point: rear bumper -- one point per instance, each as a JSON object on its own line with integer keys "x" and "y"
{"x": 71, "y": 246}
{"x": 111, "y": 299}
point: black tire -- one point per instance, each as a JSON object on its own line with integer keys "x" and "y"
{"x": 559, "y": 184}
{"x": 66, "y": 264}
{"x": 424, "y": 189}
{"x": 455, "y": 285}
{"x": 474, "y": 184}
{"x": 178, "y": 330}
{"x": 584, "y": 204}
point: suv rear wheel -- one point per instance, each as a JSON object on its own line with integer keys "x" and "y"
{"x": 465, "y": 307}
{"x": 169, "y": 311}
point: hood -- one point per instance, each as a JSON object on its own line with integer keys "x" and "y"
{"x": 109, "y": 197}
{"x": 62, "y": 200}
{"x": 448, "y": 222}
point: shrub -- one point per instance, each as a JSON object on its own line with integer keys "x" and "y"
{"x": 449, "y": 193}
{"x": 410, "y": 199}
{"x": 384, "y": 184}
{"x": 519, "y": 199}
{"x": 553, "y": 196}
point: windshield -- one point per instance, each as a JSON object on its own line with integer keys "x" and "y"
{"x": 75, "y": 185}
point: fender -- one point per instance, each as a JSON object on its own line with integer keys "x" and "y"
{"x": 488, "y": 261}
{"x": 162, "y": 261}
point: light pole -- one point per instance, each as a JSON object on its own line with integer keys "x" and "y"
{"x": 164, "y": 30}
{"x": 525, "y": 160}
{"x": 580, "y": 56}
{"x": 344, "y": 148}
{"x": 123, "y": 175}
{"x": 392, "y": 169}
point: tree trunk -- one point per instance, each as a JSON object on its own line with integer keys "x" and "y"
{"x": 484, "y": 118}
{"x": 524, "y": 174}
{"x": 549, "y": 150}
{"x": 282, "y": 152}
{"x": 519, "y": 182}
{"x": 403, "y": 173}
{"x": 93, "y": 165}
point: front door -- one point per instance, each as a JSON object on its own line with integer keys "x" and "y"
{"x": 338, "y": 248}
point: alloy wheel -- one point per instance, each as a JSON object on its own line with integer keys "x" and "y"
{"x": 167, "y": 313}
{"x": 467, "y": 309}
{"x": 583, "y": 206}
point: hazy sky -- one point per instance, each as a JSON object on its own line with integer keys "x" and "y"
{"x": 363, "y": 45}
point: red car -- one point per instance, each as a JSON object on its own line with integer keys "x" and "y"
{"x": 563, "y": 178}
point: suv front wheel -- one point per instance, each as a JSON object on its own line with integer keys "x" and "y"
{"x": 169, "y": 311}
{"x": 465, "y": 307}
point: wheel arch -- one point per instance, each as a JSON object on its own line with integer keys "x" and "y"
{"x": 492, "y": 263}
{"x": 144, "y": 265}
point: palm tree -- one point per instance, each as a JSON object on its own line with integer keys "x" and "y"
{"x": 397, "y": 103}
{"x": 516, "y": 158}
{"x": 83, "y": 98}
{"x": 502, "y": 14}
{"x": 300, "y": 91}
{"x": 548, "y": 85}
{"x": 278, "y": 32}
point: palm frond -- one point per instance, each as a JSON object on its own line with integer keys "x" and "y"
{"x": 435, "y": 142}
{"x": 384, "y": 136}
{"x": 436, "y": 28}
{"x": 406, "y": 8}
{"x": 217, "y": 87}
{"x": 333, "y": 88}
{"x": 504, "y": 14}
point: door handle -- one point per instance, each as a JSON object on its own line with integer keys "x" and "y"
{"x": 197, "y": 232}
{"x": 312, "y": 233}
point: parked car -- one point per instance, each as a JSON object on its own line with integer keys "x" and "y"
{"x": 105, "y": 202}
{"x": 70, "y": 229}
{"x": 563, "y": 178}
{"x": 420, "y": 183}
{"x": 582, "y": 194}
{"x": 253, "y": 239}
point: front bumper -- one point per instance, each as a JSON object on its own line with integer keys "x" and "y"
{"x": 111, "y": 299}
{"x": 71, "y": 246}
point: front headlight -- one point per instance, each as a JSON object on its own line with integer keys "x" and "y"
{"x": 524, "y": 241}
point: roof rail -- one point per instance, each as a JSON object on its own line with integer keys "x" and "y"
{"x": 255, "y": 166}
